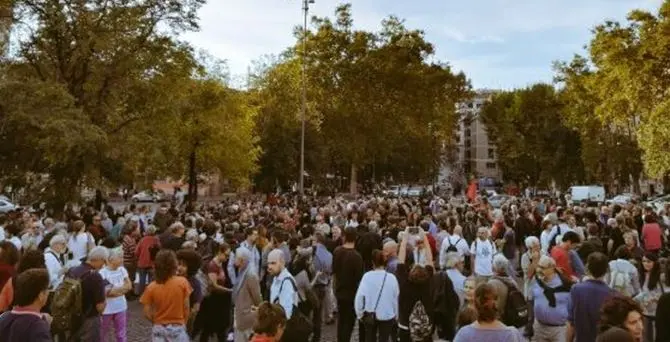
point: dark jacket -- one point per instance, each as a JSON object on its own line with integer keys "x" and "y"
{"x": 20, "y": 327}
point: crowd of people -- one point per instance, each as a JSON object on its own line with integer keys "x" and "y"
{"x": 281, "y": 268}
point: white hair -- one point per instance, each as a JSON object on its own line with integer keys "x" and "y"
{"x": 192, "y": 235}
{"x": 56, "y": 239}
{"x": 547, "y": 262}
{"x": 189, "y": 245}
{"x": 531, "y": 241}
{"x": 500, "y": 263}
{"x": 452, "y": 259}
{"x": 276, "y": 254}
{"x": 115, "y": 253}
{"x": 243, "y": 253}
{"x": 176, "y": 226}
{"x": 98, "y": 253}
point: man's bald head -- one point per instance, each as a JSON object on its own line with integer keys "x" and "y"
{"x": 390, "y": 248}
{"x": 276, "y": 262}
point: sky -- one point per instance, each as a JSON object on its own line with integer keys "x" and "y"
{"x": 499, "y": 44}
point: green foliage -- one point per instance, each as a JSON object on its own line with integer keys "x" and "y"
{"x": 533, "y": 146}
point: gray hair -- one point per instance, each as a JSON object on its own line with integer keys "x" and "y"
{"x": 56, "y": 239}
{"x": 532, "y": 241}
{"x": 192, "y": 235}
{"x": 500, "y": 263}
{"x": 98, "y": 253}
{"x": 452, "y": 259}
{"x": 276, "y": 254}
{"x": 115, "y": 253}
{"x": 546, "y": 262}
{"x": 151, "y": 230}
{"x": 189, "y": 245}
{"x": 176, "y": 226}
{"x": 243, "y": 253}
{"x": 49, "y": 221}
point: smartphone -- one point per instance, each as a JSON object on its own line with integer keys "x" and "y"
{"x": 414, "y": 230}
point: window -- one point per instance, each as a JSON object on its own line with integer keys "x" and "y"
{"x": 492, "y": 153}
{"x": 490, "y": 165}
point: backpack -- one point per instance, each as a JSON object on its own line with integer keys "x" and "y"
{"x": 419, "y": 325}
{"x": 515, "y": 312}
{"x": 619, "y": 281}
{"x": 452, "y": 248}
{"x": 66, "y": 305}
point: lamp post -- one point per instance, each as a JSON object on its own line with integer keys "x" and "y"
{"x": 305, "y": 9}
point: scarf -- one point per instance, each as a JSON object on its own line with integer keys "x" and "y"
{"x": 240, "y": 280}
{"x": 6, "y": 273}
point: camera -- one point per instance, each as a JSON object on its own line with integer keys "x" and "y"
{"x": 414, "y": 230}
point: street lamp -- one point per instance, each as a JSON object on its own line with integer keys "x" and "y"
{"x": 305, "y": 9}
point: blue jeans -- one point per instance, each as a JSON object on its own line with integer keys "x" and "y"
{"x": 146, "y": 277}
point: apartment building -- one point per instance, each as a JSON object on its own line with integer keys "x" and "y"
{"x": 476, "y": 156}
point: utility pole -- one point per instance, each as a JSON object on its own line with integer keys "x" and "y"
{"x": 305, "y": 9}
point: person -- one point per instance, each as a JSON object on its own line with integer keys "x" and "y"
{"x": 9, "y": 258}
{"x": 250, "y": 237}
{"x": 283, "y": 290}
{"x": 247, "y": 295}
{"x": 118, "y": 284}
{"x": 377, "y": 297}
{"x": 487, "y": 327}
{"x": 416, "y": 293}
{"x": 323, "y": 265}
{"x": 501, "y": 281}
{"x": 216, "y": 308}
{"x": 652, "y": 234}
{"x": 270, "y": 324}
{"x": 622, "y": 312}
{"x": 615, "y": 335}
{"x": 454, "y": 268}
{"x": 650, "y": 292}
{"x": 663, "y": 310}
{"x": 25, "y": 322}
{"x": 93, "y": 294}
{"x": 173, "y": 238}
{"x": 53, "y": 258}
{"x": 166, "y": 300}
{"x": 145, "y": 252}
{"x": 482, "y": 251}
{"x": 80, "y": 241}
{"x": 390, "y": 249}
{"x": 188, "y": 265}
{"x": 586, "y": 298}
{"x": 550, "y": 295}
{"x": 529, "y": 261}
{"x": 451, "y": 242}
{"x": 347, "y": 273}
{"x": 623, "y": 275}
{"x": 561, "y": 253}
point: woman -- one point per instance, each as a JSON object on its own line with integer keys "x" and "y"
{"x": 650, "y": 292}
{"x": 116, "y": 308}
{"x": 271, "y": 323}
{"x": 166, "y": 300}
{"x": 376, "y": 301}
{"x": 145, "y": 252}
{"x": 129, "y": 243}
{"x": 416, "y": 292}
{"x": 9, "y": 258}
{"x": 622, "y": 312}
{"x": 30, "y": 259}
{"x": 215, "y": 310}
{"x": 487, "y": 327}
{"x": 189, "y": 262}
{"x": 302, "y": 270}
{"x": 80, "y": 241}
{"x": 630, "y": 240}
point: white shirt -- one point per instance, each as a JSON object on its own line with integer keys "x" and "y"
{"x": 78, "y": 245}
{"x": 16, "y": 242}
{"x": 545, "y": 236}
{"x": 458, "y": 279}
{"x": 114, "y": 279}
{"x": 483, "y": 252}
{"x": 54, "y": 268}
{"x": 370, "y": 289}
{"x": 288, "y": 296}
{"x": 461, "y": 248}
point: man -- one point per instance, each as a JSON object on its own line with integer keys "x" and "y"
{"x": 249, "y": 243}
{"x": 92, "y": 294}
{"x": 281, "y": 291}
{"x": 391, "y": 254}
{"x": 173, "y": 238}
{"x": 551, "y": 299}
{"x": 454, "y": 266}
{"x": 25, "y": 322}
{"x": 482, "y": 251}
{"x": 501, "y": 280}
{"x": 246, "y": 294}
{"x": 99, "y": 233}
{"x": 347, "y": 271}
{"x": 323, "y": 266}
{"x": 162, "y": 219}
{"x": 456, "y": 241}
{"x": 586, "y": 298}
{"x": 561, "y": 253}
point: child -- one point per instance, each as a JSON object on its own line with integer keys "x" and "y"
{"x": 118, "y": 284}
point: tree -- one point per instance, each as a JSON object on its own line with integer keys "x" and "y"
{"x": 533, "y": 146}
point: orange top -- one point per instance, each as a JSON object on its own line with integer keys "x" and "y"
{"x": 169, "y": 300}
{"x": 6, "y": 295}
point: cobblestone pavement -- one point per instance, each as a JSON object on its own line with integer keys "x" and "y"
{"x": 139, "y": 328}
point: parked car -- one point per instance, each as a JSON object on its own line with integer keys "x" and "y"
{"x": 590, "y": 193}
{"x": 149, "y": 196}
{"x": 658, "y": 203}
{"x": 621, "y": 199}
{"x": 6, "y": 206}
{"x": 415, "y": 191}
{"x": 393, "y": 190}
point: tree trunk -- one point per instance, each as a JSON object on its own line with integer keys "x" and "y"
{"x": 353, "y": 183}
{"x": 192, "y": 179}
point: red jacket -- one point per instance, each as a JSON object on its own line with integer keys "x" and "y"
{"x": 142, "y": 251}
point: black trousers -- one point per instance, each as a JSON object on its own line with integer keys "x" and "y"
{"x": 346, "y": 318}
{"x": 320, "y": 292}
{"x": 380, "y": 331}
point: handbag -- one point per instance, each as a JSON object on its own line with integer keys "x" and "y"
{"x": 369, "y": 318}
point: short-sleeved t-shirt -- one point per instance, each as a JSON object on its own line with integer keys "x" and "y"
{"x": 472, "y": 333}
{"x": 168, "y": 300}
{"x": 93, "y": 288}
{"x": 115, "y": 279}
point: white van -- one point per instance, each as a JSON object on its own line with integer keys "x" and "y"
{"x": 589, "y": 193}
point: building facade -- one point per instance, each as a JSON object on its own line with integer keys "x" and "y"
{"x": 476, "y": 156}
